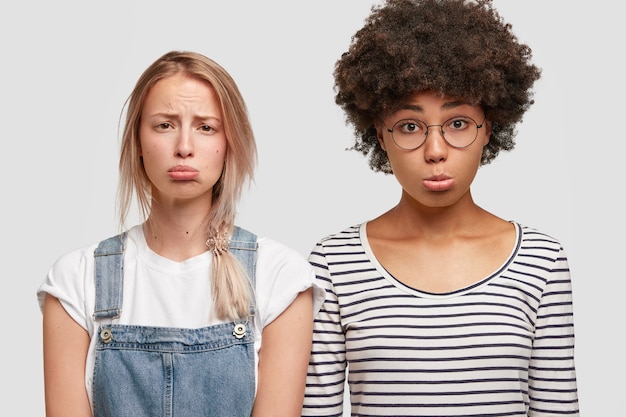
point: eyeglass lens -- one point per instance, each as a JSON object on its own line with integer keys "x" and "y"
{"x": 458, "y": 132}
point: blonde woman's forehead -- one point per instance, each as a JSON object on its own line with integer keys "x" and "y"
{"x": 181, "y": 94}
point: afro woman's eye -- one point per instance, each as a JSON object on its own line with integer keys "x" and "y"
{"x": 458, "y": 123}
{"x": 410, "y": 126}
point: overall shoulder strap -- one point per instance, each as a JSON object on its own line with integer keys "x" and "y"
{"x": 243, "y": 244}
{"x": 108, "y": 271}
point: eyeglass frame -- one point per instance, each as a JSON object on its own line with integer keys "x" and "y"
{"x": 443, "y": 135}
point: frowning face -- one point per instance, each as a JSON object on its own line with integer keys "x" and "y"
{"x": 183, "y": 143}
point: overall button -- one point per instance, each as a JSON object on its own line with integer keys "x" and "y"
{"x": 239, "y": 330}
{"x": 106, "y": 336}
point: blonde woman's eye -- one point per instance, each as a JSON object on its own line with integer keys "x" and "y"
{"x": 206, "y": 128}
{"x": 163, "y": 126}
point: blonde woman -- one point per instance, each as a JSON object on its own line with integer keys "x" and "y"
{"x": 185, "y": 314}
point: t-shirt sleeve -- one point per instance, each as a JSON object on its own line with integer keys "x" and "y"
{"x": 281, "y": 274}
{"x": 67, "y": 281}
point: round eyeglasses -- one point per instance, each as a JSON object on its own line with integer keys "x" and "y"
{"x": 458, "y": 132}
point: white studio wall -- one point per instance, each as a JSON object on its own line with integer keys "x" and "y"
{"x": 68, "y": 67}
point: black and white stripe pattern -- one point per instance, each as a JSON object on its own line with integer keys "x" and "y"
{"x": 502, "y": 347}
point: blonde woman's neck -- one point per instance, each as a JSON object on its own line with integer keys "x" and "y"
{"x": 177, "y": 234}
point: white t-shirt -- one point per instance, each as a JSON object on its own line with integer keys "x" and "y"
{"x": 161, "y": 292}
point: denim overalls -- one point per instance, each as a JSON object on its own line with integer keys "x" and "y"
{"x": 145, "y": 371}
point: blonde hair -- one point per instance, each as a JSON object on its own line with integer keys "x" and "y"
{"x": 231, "y": 286}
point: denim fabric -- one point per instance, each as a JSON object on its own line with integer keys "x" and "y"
{"x": 143, "y": 371}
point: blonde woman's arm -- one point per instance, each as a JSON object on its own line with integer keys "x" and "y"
{"x": 283, "y": 360}
{"x": 65, "y": 346}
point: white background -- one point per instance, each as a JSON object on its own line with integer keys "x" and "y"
{"x": 68, "y": 66}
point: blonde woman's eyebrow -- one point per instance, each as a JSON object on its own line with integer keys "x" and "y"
{"x": 175, "y": 115}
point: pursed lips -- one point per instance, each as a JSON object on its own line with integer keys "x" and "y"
{"x": 182, "y": 172}
{"x": 438, "y": 182}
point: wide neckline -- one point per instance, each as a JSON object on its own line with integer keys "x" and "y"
{"x": 455, "y": 293}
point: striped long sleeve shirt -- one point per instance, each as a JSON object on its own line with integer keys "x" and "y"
{"x": 501, "y": 347}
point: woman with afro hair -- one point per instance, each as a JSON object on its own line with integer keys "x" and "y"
{"x": 438, "y": 307}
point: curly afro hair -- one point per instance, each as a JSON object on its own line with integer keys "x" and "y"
{"x": 459, "y": 48}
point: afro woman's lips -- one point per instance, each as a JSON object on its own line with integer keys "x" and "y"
{"x": 438, "y": 183}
